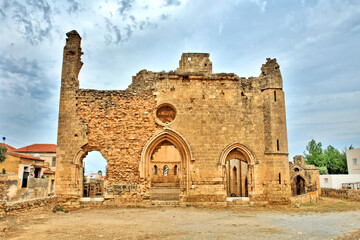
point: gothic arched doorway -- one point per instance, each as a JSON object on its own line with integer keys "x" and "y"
{"x": 237, "y": 171}
{"x": 238, "y": 164}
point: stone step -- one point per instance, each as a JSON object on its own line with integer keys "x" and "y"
{"x": 165, "y": 203}
{"x": 161, "y": 193}
{"x": 91, "y": 199}
{"x": 165, "y": 185}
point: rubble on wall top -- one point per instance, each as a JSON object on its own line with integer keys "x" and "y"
{"x": 73, "y": 33}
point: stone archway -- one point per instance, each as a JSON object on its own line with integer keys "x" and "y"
{"x": 238, "y": 163}
{"x": 164, "y": 164}
{"x": 298, "y": 185}
{"x": 78, "y": 174}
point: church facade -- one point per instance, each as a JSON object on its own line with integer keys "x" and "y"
{"x": 189, "y": 135}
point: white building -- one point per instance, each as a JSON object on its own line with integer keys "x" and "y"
{"x": 353, "y": 159}
{"x": 351, "y": 180}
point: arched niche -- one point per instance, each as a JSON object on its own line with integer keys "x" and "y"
{"x": 299, "y": 183}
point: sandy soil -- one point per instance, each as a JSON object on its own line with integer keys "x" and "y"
{"x": 312, "y": 221}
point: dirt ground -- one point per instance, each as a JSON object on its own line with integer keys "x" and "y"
{"x": 328, "y": 219}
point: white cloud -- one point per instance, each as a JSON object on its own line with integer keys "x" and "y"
{"x": 315, "y": 43}
{"x": 261, "y": 4}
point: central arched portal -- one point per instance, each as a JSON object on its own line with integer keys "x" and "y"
{"x": 164, "y": 165}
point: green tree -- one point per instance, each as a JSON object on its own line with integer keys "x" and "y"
{"x": 323, "y": 170}
{"x": 314, "y": 154}
{"x": 328, "y": 161}
{"x": 334, "y": 161}
{"x": 100, "y": 172}
{"x": 3, "y": 150}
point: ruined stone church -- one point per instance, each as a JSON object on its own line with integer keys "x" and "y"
{"x": 189, "y": 135}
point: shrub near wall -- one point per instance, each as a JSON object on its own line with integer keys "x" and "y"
{"x": 341, "y": 193}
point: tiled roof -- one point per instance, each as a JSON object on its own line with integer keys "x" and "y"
{"x": 10, "y": 148}
{"x": 38, "y": 148}
{"x": 24, "y": 156}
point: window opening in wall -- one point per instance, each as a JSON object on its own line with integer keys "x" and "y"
{"x": 166, "y": 113}
{"x": 277, "y": 145}
{"x": 296, "y": 169}
{"x": 279, "y": 178}
{"x": 176, "y": 170}
{"x": 326, "y": 180}
{"x": 155, "y": 170}
{"x": 94, "y": 173}
{"x": 52, "y": 185}
{"x": 37, "y": 172}
{"x": 355, "y": 161}
{"x": 275, "y": 96}
{"x": 26, "y": 174}
{"x": 166, "y": 169}
{"x": 53, "y": 162}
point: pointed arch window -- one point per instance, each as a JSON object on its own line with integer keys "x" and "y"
{"x": 166, "y": 170}
{"x": 155, "y": 170}
{"x": 176, "y": 170}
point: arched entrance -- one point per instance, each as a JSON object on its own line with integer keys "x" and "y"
{"x": 164, "y": 165}
{"x": 238, "y": 168}
{"x": 94, "y": 172}
{"x": 298, "y": 185}
{"x": 89, "y": 184}
{"x": 237, "y": 171}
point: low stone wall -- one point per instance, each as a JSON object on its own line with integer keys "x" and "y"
{"x": 37, "y": 182}
{"x": 38, "y": 203}
{"x": 203, "y": 198}
{"x": 353, "y": 194}
{"x": 310, "y": 197}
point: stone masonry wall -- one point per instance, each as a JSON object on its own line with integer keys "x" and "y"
{"x": 118, "y": 126}
{"x": 213, "y": 111}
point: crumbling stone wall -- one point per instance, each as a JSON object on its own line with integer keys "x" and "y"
{"x": 214, "y": 114}
{"x": 3, "y": 187}
{"x": 353, "y": 194}
{"x": 29, "y": 204}
{"x": 309, "y": 173}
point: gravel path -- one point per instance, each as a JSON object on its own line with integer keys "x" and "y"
{"x": 180, "y": 223}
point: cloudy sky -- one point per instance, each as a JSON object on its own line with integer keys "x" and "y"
{"x": 316, "y": 43}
